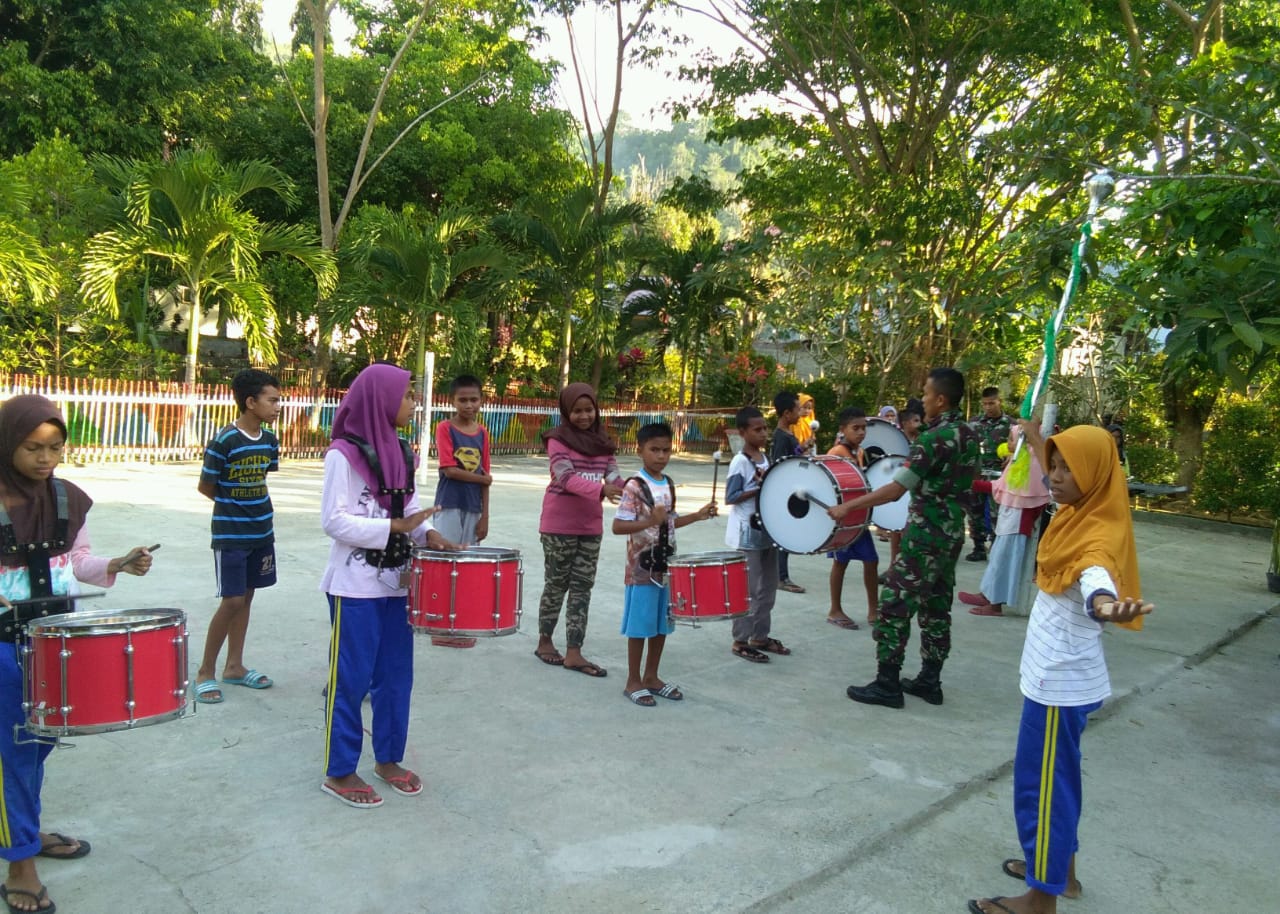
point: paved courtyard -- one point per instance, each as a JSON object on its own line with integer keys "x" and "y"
{"x": 765, "y": 790}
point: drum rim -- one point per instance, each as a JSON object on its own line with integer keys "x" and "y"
{"x": 104, "y": 622}
{"x": 705, "y": 560}
{"x": 89, "y": 729}
{"x": 465, "y": 632}
{"x": 472, "y": 555}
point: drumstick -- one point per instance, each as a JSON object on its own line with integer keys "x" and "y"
{"x": 715, "y": 474}
{"x": 810, "y": 497}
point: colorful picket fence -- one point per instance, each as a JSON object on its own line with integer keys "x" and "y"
{"x": 111, "y": 420}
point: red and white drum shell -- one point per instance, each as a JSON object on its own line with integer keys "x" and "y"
{"x": 95, "y": 672}
{"x": 798, "y": 524}
{"x": 708, "y": 586}
{"x": 476, "y": 592}
{"x": 891, "y": 516}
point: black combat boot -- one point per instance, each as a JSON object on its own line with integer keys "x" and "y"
{"x": 928, "y": 685}
{"x": 885, "y": 690}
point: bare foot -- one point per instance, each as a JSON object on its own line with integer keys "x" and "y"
{"x": 1018, "y": 870}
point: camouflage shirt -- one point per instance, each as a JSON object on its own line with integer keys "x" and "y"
{"x": 940, "y": 472}
{"x": 991, "y": 434}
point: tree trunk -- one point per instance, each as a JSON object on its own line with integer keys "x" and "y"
{"x": 1187, "y": 408}
{"x": 566, "y": 345}
{"x": 193, "y": 339}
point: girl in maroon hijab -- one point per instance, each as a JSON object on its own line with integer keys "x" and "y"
{"x": 583, "y": 474}
{"x": 44, "y": 552}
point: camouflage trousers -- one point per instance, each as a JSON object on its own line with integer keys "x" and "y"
{"x": 920, "y": 583}
{"x": 569, "y": 568}
{"x": 982, "y": 519}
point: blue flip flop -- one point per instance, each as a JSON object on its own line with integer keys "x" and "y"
{"x": 252, "y": 680}
{"x": 205, "y": 692}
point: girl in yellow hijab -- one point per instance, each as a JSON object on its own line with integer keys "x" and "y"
{"x": 1088, "y": 575}
{"x": 802, "y": 428}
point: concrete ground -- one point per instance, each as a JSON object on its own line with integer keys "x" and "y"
{"x": 765, "y": 790}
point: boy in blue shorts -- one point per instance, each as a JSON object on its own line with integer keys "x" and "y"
{"x": 646, "y": 515}
{"x": 853, "y": 430}
{"x": 234, "y": 478}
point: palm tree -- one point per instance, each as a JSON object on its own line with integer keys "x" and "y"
{"x": 418, "y": 270}
{"x": 569, "y": 244}
{"x": 684, "y": 295}
{"x": 25, "y": 268}
{"x": 188, "y": 217}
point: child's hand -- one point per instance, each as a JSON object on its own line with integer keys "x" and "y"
{"x": 1122, "y": 610}
{"x": 440, "y": 544}
{"x": 837, "y": 512}
{"x": 658, "y": 516}
{"x": 612, "y": 492}
{"x": 707, "y": 511}
{"x": 135, "y": 561}
{"x": 482, "y": 528}
{"x": 412, "y": 522}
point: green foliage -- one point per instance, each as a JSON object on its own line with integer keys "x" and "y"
{"x": 1241, "y": 468}
{"x": 743, "y": 379}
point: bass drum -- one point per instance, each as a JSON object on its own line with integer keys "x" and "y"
{"x": 798, "y": 523}
{"x": 892, "y": 516}
{"x": 884, "y": 439}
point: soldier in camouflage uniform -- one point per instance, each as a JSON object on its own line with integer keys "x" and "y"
{"x": 944, "y": 462}
{"x": 992, "y": 426}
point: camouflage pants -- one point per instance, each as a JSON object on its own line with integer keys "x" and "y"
{"x": 920, "y": 583}
{"x": 569, "y": 567}
{"x": 982, "y": 518}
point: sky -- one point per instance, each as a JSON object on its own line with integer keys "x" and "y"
{"x": 644, "y": 92}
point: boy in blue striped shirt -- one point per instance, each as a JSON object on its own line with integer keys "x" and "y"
{"x": 236, "y": 463}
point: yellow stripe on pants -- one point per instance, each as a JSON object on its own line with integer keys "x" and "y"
{"x": 333, "y": 677}
{"x": 1047, "y": 763}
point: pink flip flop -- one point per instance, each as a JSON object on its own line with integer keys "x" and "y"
{"x": 985, "y": 610}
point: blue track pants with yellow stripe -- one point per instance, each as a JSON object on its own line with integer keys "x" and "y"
{"x": 21, "y": 768}
{"x": 1047, "y": 791}
{"x": 370, "y": 652}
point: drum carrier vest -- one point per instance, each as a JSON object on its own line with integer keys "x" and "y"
{"x": 42, "y": 602}
{"x": 399, "y": 549}
{"x": 654, "y": 559}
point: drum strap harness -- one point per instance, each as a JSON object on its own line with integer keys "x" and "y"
{"x": 398, "y": 549}
{"x": 39, "y": 573}
{"x": 654, "y": 559}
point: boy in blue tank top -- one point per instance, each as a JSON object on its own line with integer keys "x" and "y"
{"x": 234, "y": 478}
{"x": 462, "y": 493}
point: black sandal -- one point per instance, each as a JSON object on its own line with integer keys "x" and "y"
{"x": 747, "y": 652}
{"x": 773, "y": 646}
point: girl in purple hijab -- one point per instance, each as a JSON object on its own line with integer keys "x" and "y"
{"x": 371, "y": 513}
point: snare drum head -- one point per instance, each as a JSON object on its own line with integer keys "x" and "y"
{"x": 892, "y": 516}
{"x": 470, "y": 554}
{"x": 884, "y": 439}
{"x": 105, "y": 621}
{"x": 706, "y": 558}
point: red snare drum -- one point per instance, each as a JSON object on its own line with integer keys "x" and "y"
{"x": 792, "y": 495}
{"x": 475, "y": 592}
{"x": 707, "y": 586}
{"x": 94, "y": 672}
